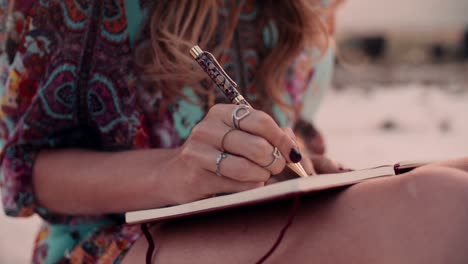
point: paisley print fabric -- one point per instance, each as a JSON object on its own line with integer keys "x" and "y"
{"x": 68, "y": 79}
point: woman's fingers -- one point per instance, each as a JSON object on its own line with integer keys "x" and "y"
{"x": 254, "y": 148}
{"x": 305, "y": 162}
{"x": 324, "y": 165}
{"x": 218, "y": 158}
{"x": 240, "y": 143}
{"x": 260, "y": 124}
{"x": 231, "y": 166}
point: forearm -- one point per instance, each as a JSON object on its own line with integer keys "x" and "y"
{"x": 89, "y": 182}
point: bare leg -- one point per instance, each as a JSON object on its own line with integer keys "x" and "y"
{"x": 460, "y": 163}
{"x": 420, "y": 217}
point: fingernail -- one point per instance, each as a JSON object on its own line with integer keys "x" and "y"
{"x": 295, "y": 156}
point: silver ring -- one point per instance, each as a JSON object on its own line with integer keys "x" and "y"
{"x": 237, "y": 116}
{"x": 224, "y": 138}
{"x": 220, "y": 157}
{"x": 276, "y": 155}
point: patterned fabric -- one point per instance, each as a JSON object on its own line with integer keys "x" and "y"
{"x": 68, "y": 79}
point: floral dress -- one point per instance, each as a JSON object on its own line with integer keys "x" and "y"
{"x": 68, "y": 79}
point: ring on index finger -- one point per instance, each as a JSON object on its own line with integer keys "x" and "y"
{"x": 239, "y": 113}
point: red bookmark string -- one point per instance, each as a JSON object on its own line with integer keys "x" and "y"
{"x": 285, "y": 228}
{"x": 149, "y": 238}
{"x": 292, "y": 214}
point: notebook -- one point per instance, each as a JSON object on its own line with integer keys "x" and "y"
{"x": 271, "y": 192}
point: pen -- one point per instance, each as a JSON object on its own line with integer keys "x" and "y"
{"x": 214, "y": 70}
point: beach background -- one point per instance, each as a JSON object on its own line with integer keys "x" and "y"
{"x": 377, "y": 112}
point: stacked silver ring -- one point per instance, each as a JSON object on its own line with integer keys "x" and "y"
{"x": 221, "y": 156}
{"x": 237, "y": 116}
{"x": 276, "y": 155}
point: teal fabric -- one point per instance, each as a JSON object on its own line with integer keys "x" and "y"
{"x": 188, "y": 114}
{"x": 59, "y": 236}
{"x": 135, "y": 17}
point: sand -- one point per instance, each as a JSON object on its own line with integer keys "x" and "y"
{"x": 422, "y": 123}
{"x": 363, "y": 128}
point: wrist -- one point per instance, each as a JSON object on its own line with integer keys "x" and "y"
{"x": 164, "y": 178}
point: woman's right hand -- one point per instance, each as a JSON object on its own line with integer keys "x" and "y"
{"x": 249, "y": 150}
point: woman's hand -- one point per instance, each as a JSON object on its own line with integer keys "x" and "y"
{"x": 313, "y": 162}
{"x": 248, "y": 161}
{"x": 311, "y": 141}
{"x": 314, "y": 159}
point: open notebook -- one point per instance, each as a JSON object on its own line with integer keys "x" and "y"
{"x": 270, "y": 192}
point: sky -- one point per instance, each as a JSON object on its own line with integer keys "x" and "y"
{"x": 378, "y": 15}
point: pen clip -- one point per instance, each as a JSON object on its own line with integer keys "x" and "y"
{"x": 212, "y": 57}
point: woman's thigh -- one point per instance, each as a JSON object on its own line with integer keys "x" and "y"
{"x": 416, "y": 218}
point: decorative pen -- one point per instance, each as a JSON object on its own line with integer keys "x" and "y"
{"x": 214, "y": 70}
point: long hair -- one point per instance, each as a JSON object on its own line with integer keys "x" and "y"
{"x": 175, "y": 26}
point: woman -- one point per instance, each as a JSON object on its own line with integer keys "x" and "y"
{"x": 109, "y": 114}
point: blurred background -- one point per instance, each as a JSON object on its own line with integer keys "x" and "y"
{"x": 400, "y": 92}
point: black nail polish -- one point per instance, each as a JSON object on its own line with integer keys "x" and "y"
{"x": 295, "y": 156}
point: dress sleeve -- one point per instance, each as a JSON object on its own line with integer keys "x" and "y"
{"x": 13, "y": 22}
{"x": 36, "y": 113}
{"x": 20, "y": 141}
